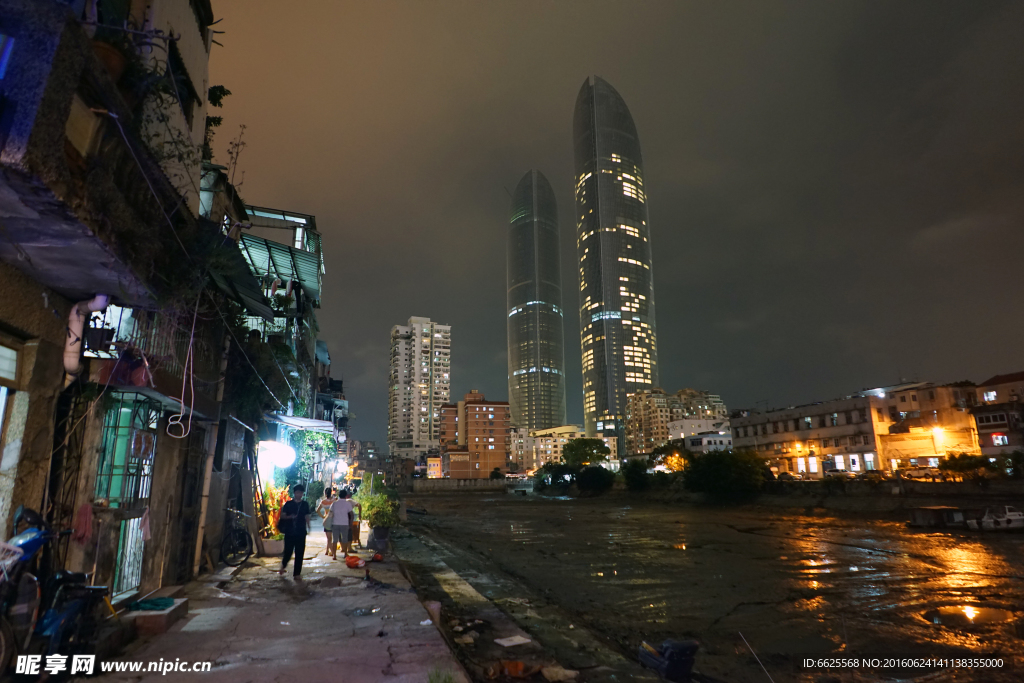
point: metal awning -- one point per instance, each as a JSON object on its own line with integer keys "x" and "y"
{"x": 233, "y": 276}
{"x": 305, "y": 423}
{"x": 283, "y": 262}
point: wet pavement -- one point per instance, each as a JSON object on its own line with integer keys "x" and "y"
{"x": 787, "y": 587}
{"x": 332, "y": 626}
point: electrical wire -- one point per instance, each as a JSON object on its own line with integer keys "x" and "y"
{"x": 189, "y": 256}
{"x": 174, "y": 421}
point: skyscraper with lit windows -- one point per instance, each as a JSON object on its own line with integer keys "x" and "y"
{"x": 536, "y": 359}
{"x": 617, "y": 331}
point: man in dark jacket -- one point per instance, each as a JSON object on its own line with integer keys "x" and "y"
{"x": 294, "y": 525}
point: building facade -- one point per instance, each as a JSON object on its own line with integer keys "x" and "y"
{"x": 536, "y": 359}
{"x": 890, "y": 428}
{"x": 650, "y": 414}
{"x": 691, "y": 426}
{"x": 546, "y": 445}
{"x": 999, "y": 414}
{"x": 618, "y": 338}
{"x": 476, "y": 436}
{"x": 705, "y": 442}
{"x": 420, "y": 383}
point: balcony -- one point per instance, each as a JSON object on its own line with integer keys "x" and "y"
{"x": 85, "y": 206}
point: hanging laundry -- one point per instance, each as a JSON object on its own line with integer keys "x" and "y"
{"x": 83, "y": 524}
{"x": 144, "y": 525}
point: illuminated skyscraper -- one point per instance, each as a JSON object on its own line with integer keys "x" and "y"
{"x": 536, "y": 360}
{"x": 617, "y": 333}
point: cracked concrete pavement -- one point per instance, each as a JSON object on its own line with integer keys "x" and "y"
{"x": 262, "y": 627}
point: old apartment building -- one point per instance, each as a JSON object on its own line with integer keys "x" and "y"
{"x": 908, "y": 425}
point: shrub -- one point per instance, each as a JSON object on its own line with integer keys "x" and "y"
{"x": 725, "y": 475}
{"x": 556, "y": 475}
{"x": 314, "y": 490}
{"x": 634, "y": 472}
{"x": 594, "y": 479}
{"x": 379, "y": 510}
{"x": 496, "y": 473}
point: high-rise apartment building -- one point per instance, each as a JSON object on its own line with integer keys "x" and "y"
{"x": 536, "y": 360}
{"x": 649, "y": 414}
{"x": 419, "y": 385}
{"x": 476, "y": 436}
{"x": 617, "y": 330}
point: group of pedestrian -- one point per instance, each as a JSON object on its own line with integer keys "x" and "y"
{"x": 338, "y": 512}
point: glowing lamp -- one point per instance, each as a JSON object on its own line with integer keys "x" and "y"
{"x": 271, "y": 454}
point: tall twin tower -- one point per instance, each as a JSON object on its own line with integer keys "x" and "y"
{"x": 617, "y": 332}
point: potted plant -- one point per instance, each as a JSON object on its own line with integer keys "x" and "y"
{"x": 382, "y": 514}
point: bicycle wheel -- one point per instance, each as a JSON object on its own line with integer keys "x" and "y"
{"x": 236, "y": 547}
{"x": 7, "y": 646}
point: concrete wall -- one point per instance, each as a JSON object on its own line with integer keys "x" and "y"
{"x": 33, "y": 318}
{"x": 455, "y": 485}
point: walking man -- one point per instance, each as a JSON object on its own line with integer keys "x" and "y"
{"x": 294, "y": 525}
{"x": 342, "y": 509}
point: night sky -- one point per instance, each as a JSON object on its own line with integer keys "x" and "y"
{"x": 836, "y": 189}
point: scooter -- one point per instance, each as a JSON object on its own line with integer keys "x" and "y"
{"x": 60, "y": 617}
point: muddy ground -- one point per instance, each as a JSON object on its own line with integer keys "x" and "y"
{"x": 794, "y": 585}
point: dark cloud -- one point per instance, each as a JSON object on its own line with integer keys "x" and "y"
{"x": 836, "y": 189}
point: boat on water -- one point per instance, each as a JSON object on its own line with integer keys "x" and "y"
{"x": 941, "y": 517}
{"x": 998, "y": 519}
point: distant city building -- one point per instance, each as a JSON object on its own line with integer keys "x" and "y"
{"x": 617, "y": 329}
{"x": 536, "y": 360}
{"x": 475, "y": 436}
{"x": 545, "y": 445}
{"x": 434, "y": 467}
{"x": 691, "y": 426}
{"x": 909, "y": 425}
{"x": 520, "y": 449}
{"x": 705, "y": 442}
{"x": 650, "y": 414}
{"x": 418, "y": 386}
{"x": 999, "y": 415}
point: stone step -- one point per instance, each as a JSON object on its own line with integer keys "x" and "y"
{"x": 153, "y": 622}
{"x": 168, "y": 592}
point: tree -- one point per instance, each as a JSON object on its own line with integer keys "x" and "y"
{"x": 584, "y": 452}
{"x": 634, "y": 472}
{"x": 672, "y": 455}
{"x": 594, "y": 479}
{"x": 725, "y": 475}
{"x": 497, "y": 474}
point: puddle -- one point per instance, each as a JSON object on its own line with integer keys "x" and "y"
{"x": 966, "y": 616}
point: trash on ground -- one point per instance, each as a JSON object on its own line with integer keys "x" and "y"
{"x": 555, "y": 673}
{"x": 353, "y": 562}
{"x": 673, "y": 659}
{"x": 465, "y": 640}
{"x": 381, "y": 634}
{"x": 426, "y": 622}
{"x": 510, "y": 669}
{"x": 512, "y": 641}
{"x": 286, "y": 623}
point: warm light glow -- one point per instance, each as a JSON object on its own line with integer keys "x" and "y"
{"x": 271, "y": 454}
{"x": 970, "y": 612}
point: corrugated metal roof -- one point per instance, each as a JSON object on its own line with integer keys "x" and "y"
{"x": 287, "y": 263}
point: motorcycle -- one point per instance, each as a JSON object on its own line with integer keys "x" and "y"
{"x": 57, "y": 618}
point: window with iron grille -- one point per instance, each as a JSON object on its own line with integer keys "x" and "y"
{"x": 125, "y": 469}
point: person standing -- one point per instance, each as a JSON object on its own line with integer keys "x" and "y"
{"x": 343, "y": 511}
{"x": 294, "y": 525}
{"x": 323, "y": 509}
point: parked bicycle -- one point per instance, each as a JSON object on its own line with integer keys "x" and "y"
{"x": 236, "y": 547}
{"x": 58, "y": 619}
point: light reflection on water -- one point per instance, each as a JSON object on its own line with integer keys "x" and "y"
{"x": 812, "y": 575}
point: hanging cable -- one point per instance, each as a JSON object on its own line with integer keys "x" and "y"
{"x": 175, "y": 421}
